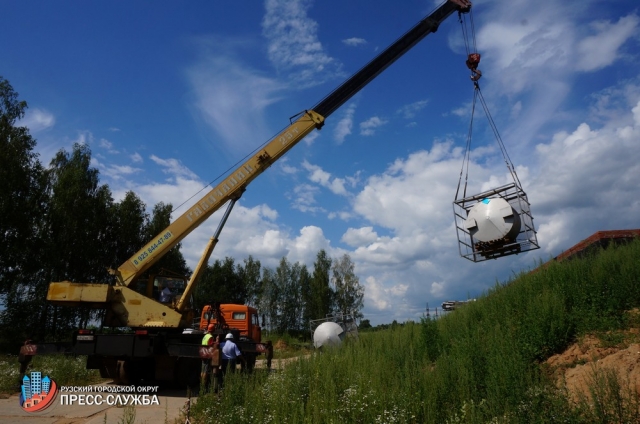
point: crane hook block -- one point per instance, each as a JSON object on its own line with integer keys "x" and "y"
{"x": 473, "y": 60}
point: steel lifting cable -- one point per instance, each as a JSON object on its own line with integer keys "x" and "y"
{"x": 466, "y": 159}
{"x": 503, "y": 149}
{"x": 473, "y": 59}
{"x": 462, "y": 18}
{"x": 470, "y": 50}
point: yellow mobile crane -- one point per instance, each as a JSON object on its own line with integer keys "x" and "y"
{"x": 160, "y": 348}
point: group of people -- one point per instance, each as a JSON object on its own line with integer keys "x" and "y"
{"x": 225, "y": 357}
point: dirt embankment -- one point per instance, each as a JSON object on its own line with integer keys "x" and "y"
{"x": 576, "y": 367}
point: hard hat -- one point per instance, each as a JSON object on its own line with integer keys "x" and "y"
{"x": 229, "y": 336}
{"x": 210, "y": 327}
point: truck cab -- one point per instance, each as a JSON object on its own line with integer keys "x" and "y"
{"x": 227, "y": 316}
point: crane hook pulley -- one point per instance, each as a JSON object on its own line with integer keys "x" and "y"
{"x": 473, "y": 60}
{"x": 469, "y": 35}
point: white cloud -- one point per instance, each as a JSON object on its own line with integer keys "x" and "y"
{"x": 311, "y": 137}
{"x": 343, "y": 215}
{"x": 319, "y": 176}
{"x": 359, "y": 236}
{"x": 173, "y": 190}
{"x": 126, "y": 170}
{"x": 117, "y": 172}
{"x": 294, "y": 46}
{"x": 368, "y": 127}
{"x": 523, "y": 52}
{"x": 107, "y": 145}
{"x": 437, "y": 289}
{"x": 383, "y": 300}
{"x": 84, "y": 137}
{"x": 587, "y": 179}
{"x": 271, "y": 244}
{"x": 305, "y": 198}
{"x": 345, "y": 124}
{"x": 173, "y": 167}
{"x": 354, "y": 41}
{"x": 376, "y": 295}
{"x": 286, "y": 167}
{"x": 531, "y": 54}
{"x": 228, "y": 94}
{"x": 602, "y": 48}
{"x": 409, "y": 111}
{"x": 306, "y": 246}
{"x": 37, "y": 120}
{"x": 412, "y": 190}
{"x": 249, "y": 231}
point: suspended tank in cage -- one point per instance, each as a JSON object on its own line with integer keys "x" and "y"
{"x": 495, "y": 223}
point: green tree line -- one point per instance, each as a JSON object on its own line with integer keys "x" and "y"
{"x": 290, "y": 295}
{"x": 58, "y": 222}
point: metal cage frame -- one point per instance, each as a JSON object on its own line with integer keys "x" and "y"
{"x": 525, "y": 240}
{"x": 346, "y": 321}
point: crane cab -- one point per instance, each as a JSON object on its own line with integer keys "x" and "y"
{"x": 164, "y": 288}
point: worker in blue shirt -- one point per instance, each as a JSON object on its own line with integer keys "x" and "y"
{"x": 230, "y": 354}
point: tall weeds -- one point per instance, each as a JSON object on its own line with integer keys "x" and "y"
{"x": 479, "y": 364}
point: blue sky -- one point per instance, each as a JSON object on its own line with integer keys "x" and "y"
{"x": 170, "y": 95}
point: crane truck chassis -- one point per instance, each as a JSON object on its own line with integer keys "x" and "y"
{"x": 160, "y": 355}
{"x": 162, "y": 343}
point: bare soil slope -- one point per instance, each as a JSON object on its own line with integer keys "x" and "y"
{"x": 619, "y": 352}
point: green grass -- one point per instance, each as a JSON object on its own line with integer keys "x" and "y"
{"x": 480, "y": 364}
{"x": 65, "y": 370}
{"x": 483, "y": 363}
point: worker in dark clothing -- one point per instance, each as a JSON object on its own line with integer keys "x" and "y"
{"x": 216, "y": 362}
{"x": 269, "y": 354}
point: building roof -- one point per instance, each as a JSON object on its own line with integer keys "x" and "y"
{"x": 597, "y": 240}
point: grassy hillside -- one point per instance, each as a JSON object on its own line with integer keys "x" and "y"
{"x": 479, "y": 364}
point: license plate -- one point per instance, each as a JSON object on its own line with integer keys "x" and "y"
{"x": 85, "y": 338}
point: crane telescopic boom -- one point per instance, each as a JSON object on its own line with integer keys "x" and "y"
{"x": 278, "y": 146}
{"x": 233, "y": 185}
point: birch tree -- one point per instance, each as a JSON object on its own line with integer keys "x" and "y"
{"x": 349, "y": 294}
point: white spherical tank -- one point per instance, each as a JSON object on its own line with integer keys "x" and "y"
{"x": 328, "y": 334}
{"x": 493, "y": 219}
